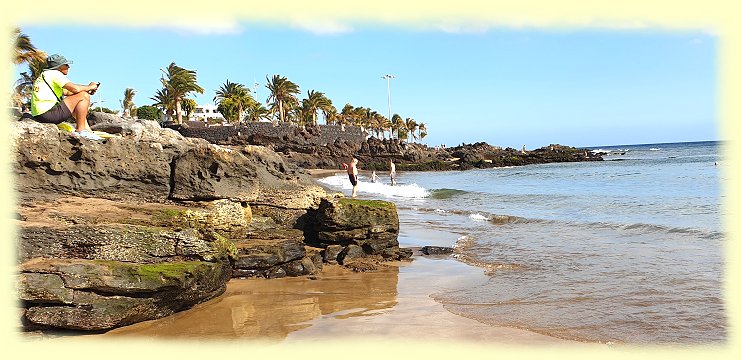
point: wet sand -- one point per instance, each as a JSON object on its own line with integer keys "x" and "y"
{"x": 391, "y": 304}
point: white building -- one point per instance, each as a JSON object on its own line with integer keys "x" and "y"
{"x": 205, "y": 112}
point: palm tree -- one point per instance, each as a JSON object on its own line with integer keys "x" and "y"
{"x": 165, "y": 101}
{"x": 238, "y": 94}
{"x": 397, "y": 123}
{"x": 316, "y": 101}
{"x": 331, "y": 116}
{"x": 24, "y": 86}
{"x": 411, "y": 127}
{"x": 179, "y": 83}
{"x": 282, "y": 94}
{"x": 346, "y": 115}
{"x": 422, "y": 130}
{"x": 24, "y": 49}
{"x": 385, "y": 126}
{"x": 128, "y": 101}
{"x": 256, "y": 111}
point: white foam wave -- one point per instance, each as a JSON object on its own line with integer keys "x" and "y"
{"x": 365, "y": 186}
{"x": 654, "y": 149}
{"x": 440, "y": 211}
{"x": 478, "y": 217}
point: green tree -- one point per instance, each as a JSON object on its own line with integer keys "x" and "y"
{"x": 411, "y": 127}
{"x": 24, "y": 86}
{"x": 164, "y": 100}
{"x": 385, "y": 124}
{"x": 397, "y": 124}
{"x": 179, "y": 83}
{"x": 102, "y": 109}
{"x": 24, "y": 50}
{"x": 229, "y": 108}
{"x": 149, "y": 113}
{"x": 347, "y": 115}
{"x": 256, "y": 112}
{"x": 188, "y": 105}
{"x": 238, "y": 95}
{"x": 331, "y": 116}
{"x": 282, "y": 94}
{"x": 128, "y": 102}
{"x": 316, "y": 101}
{"x": 422, "y": 128}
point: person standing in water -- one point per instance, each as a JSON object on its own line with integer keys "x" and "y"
{"x": 392, "y": 172}
{"x": 374, "y": 177}
{"x": 352, "y": 173}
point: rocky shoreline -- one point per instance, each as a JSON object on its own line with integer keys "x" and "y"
{"x": 150, "y": 222}
{"x": 308, "y": 147}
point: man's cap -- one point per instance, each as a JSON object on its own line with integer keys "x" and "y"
{"x": 55, "y": 61}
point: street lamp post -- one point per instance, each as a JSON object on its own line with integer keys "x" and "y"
{"x": 388, "y": 88}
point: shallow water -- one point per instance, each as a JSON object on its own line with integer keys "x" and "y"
{"x": 627, "y": 250}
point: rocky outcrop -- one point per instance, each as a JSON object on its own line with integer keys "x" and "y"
{"x": 273, "y": 253}
{"x": 328, "y": 146}
{"x": 150, "y": 163}
{"x": 349, "y": 229}
{"x": 93, "y": 264}
{"x": 148, "y": 223}
{"x": 100, "y": 295}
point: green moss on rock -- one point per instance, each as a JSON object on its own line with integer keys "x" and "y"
{"x": 376, "y": 204}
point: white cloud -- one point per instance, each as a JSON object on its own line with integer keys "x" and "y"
{"x": 204, "y": 27}
{"x": 461, "y": 28}
{"x": 321, "y": 27}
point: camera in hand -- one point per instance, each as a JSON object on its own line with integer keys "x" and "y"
{"x": 91, "y": 92}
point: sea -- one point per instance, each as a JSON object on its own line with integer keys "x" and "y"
{"x": 629, "y": 250}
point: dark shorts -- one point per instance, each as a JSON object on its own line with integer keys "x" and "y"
{"x": 353, "y": 179}
{"x": 56, "y": 115}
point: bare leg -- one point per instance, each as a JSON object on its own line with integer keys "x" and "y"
{"x": 354, "y": 190}
{"x": 78, "y": 104}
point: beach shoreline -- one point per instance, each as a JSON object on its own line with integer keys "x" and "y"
{"x": 392, "y": 303}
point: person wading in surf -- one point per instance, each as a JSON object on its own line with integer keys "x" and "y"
{"x": 352, "y": 172}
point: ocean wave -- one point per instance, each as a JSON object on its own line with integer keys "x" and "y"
{"x": 478, "y": 217}
{"x": 445, "y": 193}
{"x": 462, "y": 250}
{"x": 496, "y": 219}
{"x": 365, "y": 186}
{"x": 502, "y": 219}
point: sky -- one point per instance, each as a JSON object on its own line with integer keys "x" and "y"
{"x": 506, "y": 86}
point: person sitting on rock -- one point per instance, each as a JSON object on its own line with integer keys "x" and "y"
{"x": 55, "y": 98}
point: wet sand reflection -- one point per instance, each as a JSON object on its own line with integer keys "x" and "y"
{"x": 271, "y": 309}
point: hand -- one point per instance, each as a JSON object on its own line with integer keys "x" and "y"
{"x": 94, "y": 86}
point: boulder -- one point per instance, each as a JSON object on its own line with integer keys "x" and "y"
{"x": 273, "y": 253}
{"x": 351, "y": 228}
{"x": 100, "y": 295}
{"x": 94, "y": 264}
{"x": 213, "y": 172}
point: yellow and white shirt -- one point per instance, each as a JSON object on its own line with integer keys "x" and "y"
{"x": 43, "y": 98}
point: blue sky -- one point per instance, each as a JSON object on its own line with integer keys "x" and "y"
{"x": 505, "y": 86}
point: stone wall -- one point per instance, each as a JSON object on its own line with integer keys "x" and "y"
{"x": 326, "y": 134}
